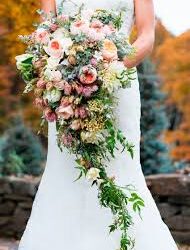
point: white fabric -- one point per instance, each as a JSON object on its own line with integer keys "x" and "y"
{"x": 66, "y": 215}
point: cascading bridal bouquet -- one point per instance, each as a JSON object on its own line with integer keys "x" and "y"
{"x": 73, "y": 64}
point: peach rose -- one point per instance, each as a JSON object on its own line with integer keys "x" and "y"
{"x": 65, "y": 112}
{"x": 109, "y": 51}
{"x": 54, "y": 49}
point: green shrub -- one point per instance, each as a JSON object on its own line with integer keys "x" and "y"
{"x": 21, "y": 151}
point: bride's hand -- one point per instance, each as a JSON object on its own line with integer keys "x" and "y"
{"x": 145, "y": 23}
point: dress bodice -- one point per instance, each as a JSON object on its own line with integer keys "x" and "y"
{"x": 70, "y": 5}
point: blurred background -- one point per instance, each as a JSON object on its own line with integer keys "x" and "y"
{"x": 165, "y": 123}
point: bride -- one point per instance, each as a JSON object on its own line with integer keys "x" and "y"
{"x": 66, "y": 215}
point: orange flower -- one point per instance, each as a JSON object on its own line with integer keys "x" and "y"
{"x": 109, "y": 50}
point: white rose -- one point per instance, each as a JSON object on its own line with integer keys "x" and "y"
{"x": 53, "y": 95}
{"x": 59, "y": 34}
{"x": 53, "y": 75}
{"x": 93, "y": 174}
{"x": 66, "y": 44}
{"x": 21, "y": 58}
{"x": 117, "y": 66}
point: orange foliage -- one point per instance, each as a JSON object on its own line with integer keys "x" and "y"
{"x": 16, "y": 18}
{"x": 174, "y": 65}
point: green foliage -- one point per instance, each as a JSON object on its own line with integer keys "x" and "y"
{"x": 21, "y": 151}
{"x": 154, "y": 152}
{"x": 14, "y": 165}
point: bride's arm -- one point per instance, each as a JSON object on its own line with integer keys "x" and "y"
{"x": 48, "y": 6}
{"x": 145, "y": 23}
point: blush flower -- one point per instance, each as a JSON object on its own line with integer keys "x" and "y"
{"x": 96, "y": 24}
{"x": 65, "y": 112}
{"x": 79, "y": 26}
{"x": 41, "y": 36}
{"x": 96, "y": 34}
{"x": 54, "y": 49}
{"x": 108, "y": 30}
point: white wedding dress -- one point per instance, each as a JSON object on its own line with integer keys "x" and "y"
{"x": 66, "y": 215}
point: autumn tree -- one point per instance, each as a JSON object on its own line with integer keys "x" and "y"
{"x": 174, "y": 64}
{"x": 16, "y": 17}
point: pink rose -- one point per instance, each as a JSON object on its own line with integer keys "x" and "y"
{"x": 65, "y": 112}
{"x": 41, "y": 84}
{"x": 87, "y": 91}
{"x": 79, "y": 26}
{"x": 76, "y": 124}
{"x": 108, "y": 29}
{"x": 41, "y": 36}
{"x": 96, "y": 34}
{"x": 50, "y": 116}
{"x": 88, "y": 74}
{"x": 96, "y": 24}
{"x": 54, "y": 49}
